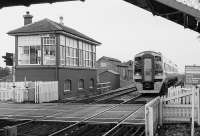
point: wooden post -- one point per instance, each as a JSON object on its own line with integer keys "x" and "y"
{"x": 198, "y": 104}
{"x": 35, "y": 92}
{"x": 161, "y": 112}
{"x": 146, "y": 121}
{"x": 151, "y": 125}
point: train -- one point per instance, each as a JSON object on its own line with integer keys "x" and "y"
{"x": 153, "y": 73}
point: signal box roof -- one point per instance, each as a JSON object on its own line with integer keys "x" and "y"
{"x": 49, "y": 26}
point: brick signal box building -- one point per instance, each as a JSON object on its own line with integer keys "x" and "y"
{"x": 49, "y": 51}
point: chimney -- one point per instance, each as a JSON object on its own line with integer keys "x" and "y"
{"x": 61, "y": 20}
{"x": 27, "y": 18}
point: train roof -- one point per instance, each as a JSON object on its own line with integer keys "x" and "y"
{"x": 148, "y": 52}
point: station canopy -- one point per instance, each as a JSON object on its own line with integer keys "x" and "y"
{"x": 9, "y": 3}
{"x": 183, "y": 12}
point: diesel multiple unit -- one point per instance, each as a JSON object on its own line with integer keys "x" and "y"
{"x": 152, "y": 72}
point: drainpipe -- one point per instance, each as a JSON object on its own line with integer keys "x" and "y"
{"x": 57, "y": 56}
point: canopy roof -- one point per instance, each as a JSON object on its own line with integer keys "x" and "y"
{"x": 9, "y": 3}
{"x": 183, "y": 12}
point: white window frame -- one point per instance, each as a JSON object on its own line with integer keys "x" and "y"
{"x": 49, "y": 41}
{"x": 28, "y": 56}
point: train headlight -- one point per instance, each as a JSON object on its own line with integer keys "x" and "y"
{"x": 158, "y": 74}
{"x": 137, "y": 74}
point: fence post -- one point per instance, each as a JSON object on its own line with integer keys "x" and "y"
{"x": 151, "y": 127}
{"x": 193, "y": 104}
{"x": 35, "y": 91}
{"x": 161, "y": 111}
{"x": 146, "y": 121}
{"x": 198, "y": 106}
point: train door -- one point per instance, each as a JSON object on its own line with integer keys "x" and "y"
{"x": 148, "y": 70}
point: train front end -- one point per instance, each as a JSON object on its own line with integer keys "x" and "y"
{"x": 148, "y": 72}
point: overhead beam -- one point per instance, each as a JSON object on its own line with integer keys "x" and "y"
{"x": 149, "y": 3}
{"x": 9, "y": 3}
{"x": 180, "y": 6}
{"x": 172, "y": 10}
{"x": 170, "y": 13}
{"x": 185, "y": 18}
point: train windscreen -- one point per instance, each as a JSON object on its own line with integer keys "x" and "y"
{"x": 147, "y": 69}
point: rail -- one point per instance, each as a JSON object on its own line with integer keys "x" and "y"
{"x": 113, "y": 95}
{"x": 82, "y": 126}
{"x": 95, "y": 98}
{"x": 119, "y": 123}
{"x": 86, "y": 119}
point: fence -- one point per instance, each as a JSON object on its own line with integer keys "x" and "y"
{"x": 152, "y": 117}
{"x": 177, "y": 106}
{"x": 180, "y": 105}
{"x": 36, "y": 92}
{"x": 46, "y": 91}
{"x": 103, "y": 87}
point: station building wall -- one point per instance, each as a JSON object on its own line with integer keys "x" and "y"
{"x": 62, "y": 74}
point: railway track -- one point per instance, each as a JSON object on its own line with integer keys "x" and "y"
{"x": 127, "y": 130}
{"x": 105, "y": 97}
{"x": 81, "y": 127}
{"x": 89, "y": 126}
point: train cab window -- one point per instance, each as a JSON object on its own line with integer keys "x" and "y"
{"x": 138, "y": 59}
{"x": 138, "y": 65}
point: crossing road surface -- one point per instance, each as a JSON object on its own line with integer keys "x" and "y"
{"x": 73, "y": 112}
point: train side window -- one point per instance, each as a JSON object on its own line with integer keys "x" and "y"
{"x": 166, "y": 67}
{"x": 138, "y": 59}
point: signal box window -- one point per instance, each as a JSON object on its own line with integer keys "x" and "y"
{"x": 81, "y": 84}
{"x": 67, "y": 85}
{"x": 29, "y": 55}
{"x": 49, "y": 50}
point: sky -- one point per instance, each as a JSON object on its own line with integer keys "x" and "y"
{"x": 123, "y": 29}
